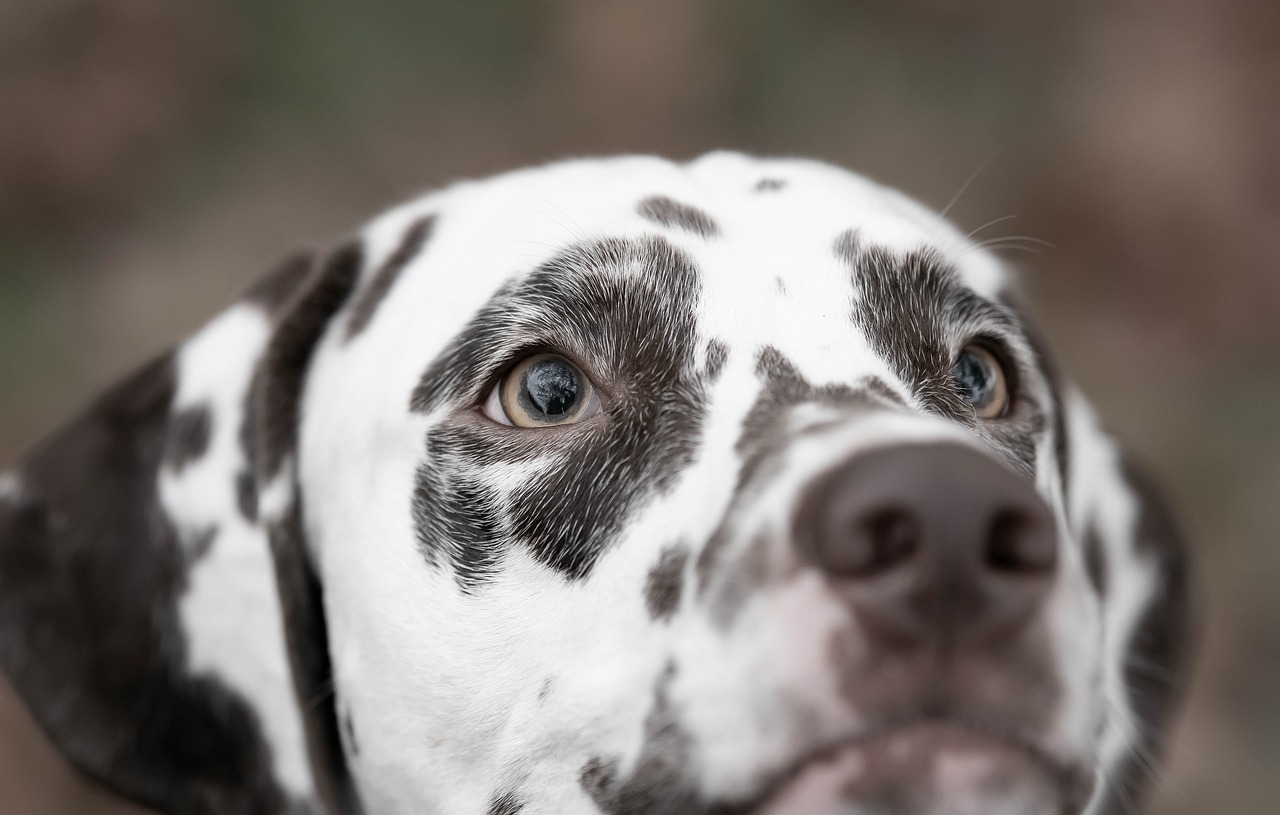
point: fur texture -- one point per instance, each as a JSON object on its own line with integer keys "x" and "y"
{"x": 293, "y": 566}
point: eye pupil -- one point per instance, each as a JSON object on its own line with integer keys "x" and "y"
{"x": 973, "y": 378}
{"x": 551, "y": 388}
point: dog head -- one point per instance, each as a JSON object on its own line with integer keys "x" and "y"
{"x": 612, "y": 486}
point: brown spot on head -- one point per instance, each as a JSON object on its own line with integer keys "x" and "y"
{"x": 674, "y": 215}
{"x": 769, "y": 185}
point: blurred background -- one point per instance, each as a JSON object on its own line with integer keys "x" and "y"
{"x": 155, "y": 157}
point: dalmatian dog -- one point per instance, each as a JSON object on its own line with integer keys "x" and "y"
{"x": 609, "y": 487}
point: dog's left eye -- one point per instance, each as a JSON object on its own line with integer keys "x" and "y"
{"x": 544, "y": 390}
{"x": 981, "y": 380}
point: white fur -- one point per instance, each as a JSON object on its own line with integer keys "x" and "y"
{"x": 455, "y": 697}
{"x": 231, "y": 609}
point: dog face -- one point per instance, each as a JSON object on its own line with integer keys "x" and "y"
{"x": 613, "y": 487}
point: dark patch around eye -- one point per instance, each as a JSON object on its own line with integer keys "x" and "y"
{"x": 508, "y": 803}
{"x": 665, "y": 583}
{"x": 674, "y": 215}
{"x": 457, "y": 517}
{"x": 415, "y": 237}
{"x": 913, "y": 309}
{"x": 769, "y": 185}
{"x": 627, "y": 307}
{"x": 187, "y": 437}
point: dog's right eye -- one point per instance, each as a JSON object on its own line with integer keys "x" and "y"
{"x": 544, "y": 390}
{"x": 981, "y": 380}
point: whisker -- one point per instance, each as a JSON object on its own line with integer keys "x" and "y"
{"x": 992, "y": 222}
{"x": 972, "y": 176}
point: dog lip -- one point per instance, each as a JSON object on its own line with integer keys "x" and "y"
{"x": 995, "y": 736}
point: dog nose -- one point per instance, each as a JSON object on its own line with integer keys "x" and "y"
{"x": 930, "y": 540}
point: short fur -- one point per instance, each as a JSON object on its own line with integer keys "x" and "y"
{"x": 292, "y": 566}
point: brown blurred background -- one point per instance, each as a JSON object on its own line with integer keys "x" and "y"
{"x": 157, "y": 156}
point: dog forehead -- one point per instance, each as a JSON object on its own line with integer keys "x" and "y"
{"x": 762, "y": 234}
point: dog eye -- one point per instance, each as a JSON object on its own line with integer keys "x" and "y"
{"x": 544, "y": 390}
{"x": 981, "y": 380}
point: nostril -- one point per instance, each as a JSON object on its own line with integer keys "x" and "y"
{"x": 886, "y": 538}
{"x": 1018, "y": 544}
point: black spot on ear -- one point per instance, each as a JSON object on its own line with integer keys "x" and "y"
{"x": 307, "y": 638}
{"x": 506, "y": 804}
{"x": 91, "y": 573}
{"x": 188, "y": 437}
{"x": 545, "y": 690}
{"x": 674, "y": 215}
{"x": 666, "y": 579}
{"x": 1159, "y": 650}
{"x": 279, "y": 382}
{"x": 769, "y": 185}
{"x": 271, "y": 429}
{"x": 415, "y": 237}
{"x": 273, "y": 290}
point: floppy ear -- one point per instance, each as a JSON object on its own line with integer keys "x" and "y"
{"x": 1139, "y": 565}
{"x": 94, "y": 566}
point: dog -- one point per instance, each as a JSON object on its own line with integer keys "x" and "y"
{"x": 617, "y": 486}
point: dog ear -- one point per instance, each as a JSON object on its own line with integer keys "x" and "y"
{"x": 1139, "y": 565}
{"x": 93, "y": 569}
{"x": 277, "y": 391}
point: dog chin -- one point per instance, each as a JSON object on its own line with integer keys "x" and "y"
{"x": 928, "y": 769}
